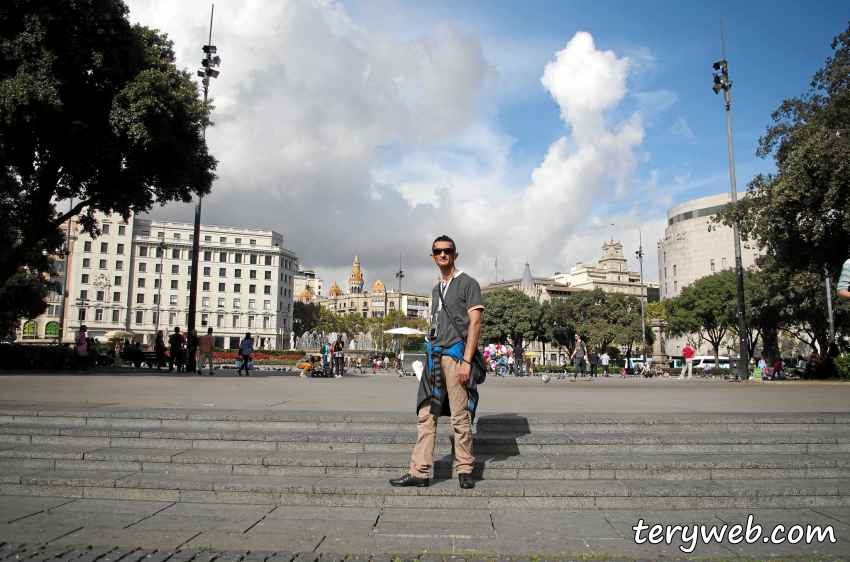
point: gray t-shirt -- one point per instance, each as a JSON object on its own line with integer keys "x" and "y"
{"x": 462, "y": 295}
{"x": 581, "y": 349}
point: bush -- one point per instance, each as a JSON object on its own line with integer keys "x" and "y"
{"x": 37, "y": 357}
{"x": 553, "y": 369}
{"x": 842, "y": 366}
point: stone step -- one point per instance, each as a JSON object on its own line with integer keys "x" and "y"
{"x": 490, "y": 467}
{"x": 499, "y": 423}
{"x": 401, "y": 442}
{"x": 376, "y": 491}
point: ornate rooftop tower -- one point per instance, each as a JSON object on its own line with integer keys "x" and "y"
{"x": 355, "y": 282}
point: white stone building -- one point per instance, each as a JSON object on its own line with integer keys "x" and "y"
{"x": 307, "y": 280}
{"x": 693, "y": 247}
{"x": 611, "y": 274}
{"x": 136, "y": 277}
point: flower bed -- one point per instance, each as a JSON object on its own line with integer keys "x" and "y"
{"x": 258, "y": 357}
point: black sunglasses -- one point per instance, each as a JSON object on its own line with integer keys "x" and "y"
{"x": 438, "y": 251}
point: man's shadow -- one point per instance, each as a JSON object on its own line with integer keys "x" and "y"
{"x": 494, "y": 440}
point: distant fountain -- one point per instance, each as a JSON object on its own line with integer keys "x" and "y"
{"x": 315, "y": 340}
{"x": 362, "y": 341}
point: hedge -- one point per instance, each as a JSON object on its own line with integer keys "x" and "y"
{"x": 842, "y": 366}
{"x": 37, "y": 357}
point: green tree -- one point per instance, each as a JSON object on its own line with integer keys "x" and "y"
{"x": 305, "y": 317}
{"x": 655, "y": 310}
{"x": 703, "y": 309}
{"x": 91, "y": 108}
{"x": 328, "y": 321}
{"x": 601, "y": 318}
{"x": 510, "y": 316}
{"x": 801, "y": 213}
{"x": 23, "y": 297}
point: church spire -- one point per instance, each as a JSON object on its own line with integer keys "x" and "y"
{"x": 355, "y": 281}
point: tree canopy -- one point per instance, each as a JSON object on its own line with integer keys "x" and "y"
{"x": 704, "y": 309}
{"x": 92, "y": 109}
{"x": 801, "y": 213}
{"x": 510, "y": 316}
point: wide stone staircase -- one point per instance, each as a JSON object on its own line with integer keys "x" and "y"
{"x": 300, "y": 458}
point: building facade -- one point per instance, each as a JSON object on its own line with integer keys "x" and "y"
{"x": 377, "y": 302}
{"x": 611, "y": 274}
{"x": 135, "y": 277}
{"x": 307, "y": 286}
{"x": 693, "y": 247}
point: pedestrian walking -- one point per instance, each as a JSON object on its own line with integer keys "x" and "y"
{"x": 452, "y": 344}
{"x": 177, "y": 344}
{"x": 82, "y": 350}
{"x": 246, "y": 347}
{"x": 511, "y": 362}
{"x": 192, "y": 343}
{"x": 578, "y": 355}
{"x": 604, "y": 360}
{"x": 688, "y": 354}
{"x": 207, "y": 347}
{"x": 159, "y": 349}
{"x": 339, "y": 357}
{"x": 593, "y": 358}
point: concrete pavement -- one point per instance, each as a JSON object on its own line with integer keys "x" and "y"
{"x": 286, "y": 391}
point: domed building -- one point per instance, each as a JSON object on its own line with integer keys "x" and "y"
{"x": 377, "y": 302}
{"x": 305, "y": 296}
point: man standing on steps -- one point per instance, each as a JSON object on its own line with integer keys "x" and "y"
{"x": 579, "y": 352}
{"x": 452, "y": 341}
{"x": 688, "y": 354}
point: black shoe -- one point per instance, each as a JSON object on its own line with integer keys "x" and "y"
{"x": 465, "y": 481}
{"x": 410, "y": 480}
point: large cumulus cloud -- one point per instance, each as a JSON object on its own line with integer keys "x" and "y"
{"x": 348, "y": 140}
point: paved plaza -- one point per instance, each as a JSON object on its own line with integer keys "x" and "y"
{"x": 154, "y": 467}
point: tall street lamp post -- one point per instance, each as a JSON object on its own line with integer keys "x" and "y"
{"x": 642, "y": 315}
{"x": 722, "y": 82}
{"x": 209, "y": 62}
{"x": 400, "y": 275}
{"x": 161, "y": 247}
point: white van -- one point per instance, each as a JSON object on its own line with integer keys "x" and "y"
{"x": 700, "y": 361}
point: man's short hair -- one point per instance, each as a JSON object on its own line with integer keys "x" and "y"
{"x": 209, "y": 330}
{"x": 444, "y": 238}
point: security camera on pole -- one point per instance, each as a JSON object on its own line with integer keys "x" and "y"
{"x": 722, "y": 82}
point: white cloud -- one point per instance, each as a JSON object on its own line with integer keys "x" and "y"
{"x": 349, "y": 142}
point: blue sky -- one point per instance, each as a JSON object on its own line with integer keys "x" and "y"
{"x": 390, "y": 122}
{"x": 773, "y": 49}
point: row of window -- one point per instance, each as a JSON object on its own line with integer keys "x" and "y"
{"x": 208, "y": 238}
{"x": 205, "y": 301}
{"x": 119, "y": 264}
{"x": 98, "y": 316}
{"x": 104, "y": 247}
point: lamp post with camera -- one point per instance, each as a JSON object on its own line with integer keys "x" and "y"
{"x": 209, "y": 62}
{"x": 722, "y": 83}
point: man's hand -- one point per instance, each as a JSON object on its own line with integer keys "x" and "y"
{"x": 463, "y": 372}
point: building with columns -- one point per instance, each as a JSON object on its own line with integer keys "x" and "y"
{"x": 135, "y": 277}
